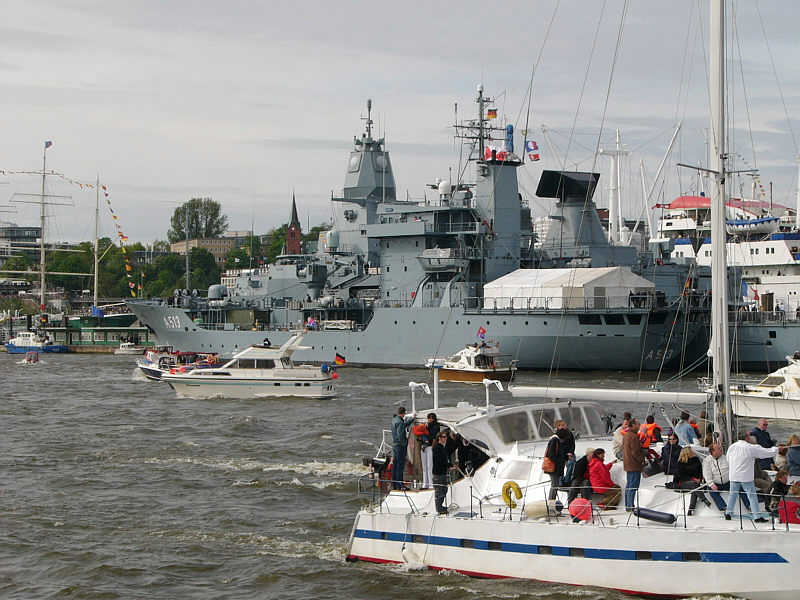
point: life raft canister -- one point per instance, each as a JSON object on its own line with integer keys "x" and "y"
{"x": 508, "y": 487}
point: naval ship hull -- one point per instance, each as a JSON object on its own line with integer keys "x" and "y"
{"x": 405, "y": 337}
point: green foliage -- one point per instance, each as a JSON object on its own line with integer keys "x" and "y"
{"x": 20, "y": 262}
{"x": 275, "y": 247}
{"x": 203, "y": 269}
{"x": 13, "y": 304}
{"x": 160, "y": 246}
{"x": 252, "y": 246}
{"x": 243, "y": 260}
{"x": 313, "y": 235}
{"x": 204, "y": 217}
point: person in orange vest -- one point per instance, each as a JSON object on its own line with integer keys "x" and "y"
{"x": 650, "y": 433}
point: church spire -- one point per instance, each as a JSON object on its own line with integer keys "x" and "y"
{"x": 294, "y": 233}
{"x": 294, "y": 220}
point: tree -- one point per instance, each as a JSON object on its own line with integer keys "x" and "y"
{"x": 161, "y": 246}
{"x": 278, "y": 242}
{"x": 313, "y": 235}
{"x": 20, "y": 262}
{"x": 252, "y": 246}
{"x": 203, "y": 269}
{"x": 204, "y": 217}
{"x": 238, "y": 259}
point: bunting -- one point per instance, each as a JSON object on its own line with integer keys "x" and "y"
{"x": 122, "y": 237}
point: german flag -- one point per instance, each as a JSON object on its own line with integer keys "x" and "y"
{"x": 339, "y": 360}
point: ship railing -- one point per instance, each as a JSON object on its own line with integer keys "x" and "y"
{"x": 527, "y": 304}
{"x": 758, "y": 317}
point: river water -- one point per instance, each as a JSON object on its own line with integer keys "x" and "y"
{"x": 111, "y": 487}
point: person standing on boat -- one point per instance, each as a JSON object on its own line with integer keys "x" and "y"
{"x": 741, "y": 465}
{"x": 619, "y": 434}
{"x": 400, "y": 425}
{"x": 686, "y": 433}
{"x": 569, "y": 452}
{"x": 427, "y": 454}
{"x": 793, "y": 456}
{"x": 633, "y": 461}
{"x": 440, "y": 468}
{"x": 556, "y": 452}
{"x": 763, "y": 439}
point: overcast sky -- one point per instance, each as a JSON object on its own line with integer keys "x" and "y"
{"x": 248, "y": 101}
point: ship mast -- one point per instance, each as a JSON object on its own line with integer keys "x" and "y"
{"x": 47, "y": 144}
{"x": 719, "y": 349}
{"x": 96, "y": 241}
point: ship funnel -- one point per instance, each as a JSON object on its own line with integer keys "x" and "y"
{"x": 567, "y": 185}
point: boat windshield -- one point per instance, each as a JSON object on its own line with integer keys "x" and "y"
{"x": 530, "y": 424}
{"x": 255, "y": 363}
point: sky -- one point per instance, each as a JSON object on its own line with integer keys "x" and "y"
{"x": 251, "y": 102}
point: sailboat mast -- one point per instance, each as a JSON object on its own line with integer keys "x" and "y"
{"x": 96, "y": 242}
{"x": 719, "y": 264}
{"x": 41, "y": 223}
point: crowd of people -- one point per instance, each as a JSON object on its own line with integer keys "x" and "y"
{"x": 440, "y": 455}
{"x": 743, "y": 472}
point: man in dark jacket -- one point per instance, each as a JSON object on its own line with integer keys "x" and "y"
{"x": 399, "y": 446}
{"x": 763, "y": 439}
{"x": 441, "y": 468}
{"x": 633, "y": 461}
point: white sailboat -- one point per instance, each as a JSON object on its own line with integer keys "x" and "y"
{"x": 500, "y": 523}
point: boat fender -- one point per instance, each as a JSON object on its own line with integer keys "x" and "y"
{"x": 655, "y": 515}
{"x": 324, "y": 367}
{"x": 581, "y": 509}
{"x": 508, "y": 487}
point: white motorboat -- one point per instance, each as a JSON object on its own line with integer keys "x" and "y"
{"x": 776, "y": 396}
{"x": 129, "y": 349}
{"x": 257, "y": 372}
{"x": 473, "y": 364}
{"x": 30, "y": 341}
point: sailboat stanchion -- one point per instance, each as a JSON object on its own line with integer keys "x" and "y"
{"x": 487, "y": 383}
{"x": 414, "y": 387}
{"x": 435, "y": 388}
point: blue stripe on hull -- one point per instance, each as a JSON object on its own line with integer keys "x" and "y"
{"x": 601, "y": 553}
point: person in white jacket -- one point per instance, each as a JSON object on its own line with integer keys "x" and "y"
{"x": 741, "y": 457}
{"x": 717, "y": 474}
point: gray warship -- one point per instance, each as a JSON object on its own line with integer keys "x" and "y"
{"x": 396, "y": 281}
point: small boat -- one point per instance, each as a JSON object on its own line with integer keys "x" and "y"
{"x": 776, "y": 396}
{"x": 160, "y": 360}
{"x": 257, "y": 372}
{"x": 29, "y": 341}
{"x": 473, "y": 364}
{"x": 129, "y": 349}
{"x": 31, "y": 357}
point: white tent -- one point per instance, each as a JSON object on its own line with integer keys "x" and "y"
{"x": 604, "y": 287}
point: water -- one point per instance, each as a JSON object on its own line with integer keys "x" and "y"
{"x": 111, "y": 487}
